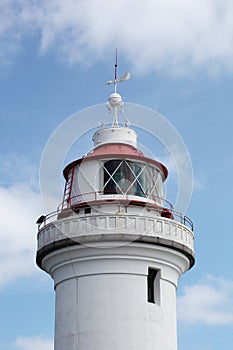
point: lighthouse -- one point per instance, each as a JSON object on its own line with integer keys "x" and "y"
{"x": 115, "y": 247}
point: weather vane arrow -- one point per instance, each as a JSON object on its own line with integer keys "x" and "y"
{"x": 115, "y": 100}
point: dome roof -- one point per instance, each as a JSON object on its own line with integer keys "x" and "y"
{"x": 121, "y": 151}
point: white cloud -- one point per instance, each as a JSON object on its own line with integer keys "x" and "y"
{"x": 209, "y": 302}
{"x": 172, "y": 36}
{"x": 35, "y": 343}
{"x": 13, "y": 27}
{"x": 20, "y": 206}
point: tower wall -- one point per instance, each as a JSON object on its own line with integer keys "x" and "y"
{"x": 102, "y": 296}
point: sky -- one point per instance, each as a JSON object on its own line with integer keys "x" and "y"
{"x": 54, "y": 59}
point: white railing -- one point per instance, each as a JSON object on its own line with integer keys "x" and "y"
{"x": 75, "y": 226}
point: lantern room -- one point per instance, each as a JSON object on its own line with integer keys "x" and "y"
{"x": 115, "y": 172}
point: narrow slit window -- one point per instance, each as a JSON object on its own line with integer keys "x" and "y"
{"x": 87, "y": 210}
{"x": 153, "y": 286}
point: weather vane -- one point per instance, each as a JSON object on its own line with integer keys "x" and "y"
{"x": 115, "y": 100}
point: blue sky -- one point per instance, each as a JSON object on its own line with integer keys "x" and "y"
{"x": 54, "y": 58}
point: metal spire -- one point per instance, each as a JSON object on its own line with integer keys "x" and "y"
{"x": 115, "y": 76}
{"x": 115, "y": 100}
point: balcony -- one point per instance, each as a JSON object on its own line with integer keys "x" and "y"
{"x": 121, "y": 228}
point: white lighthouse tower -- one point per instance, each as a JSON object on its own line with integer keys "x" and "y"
{"x": 115, "y": 248}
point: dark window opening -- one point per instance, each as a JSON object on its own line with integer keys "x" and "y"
{"x": 87, "y": 210}
{"x": 153, "y": 289}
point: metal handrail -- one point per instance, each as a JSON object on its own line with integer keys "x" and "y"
{"x": 183, "y": 219}
{"x": 125, "y": 196}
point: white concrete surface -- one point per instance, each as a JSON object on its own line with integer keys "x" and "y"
{"x": 101, "y": 297}
{"x": 122, "y": 135}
